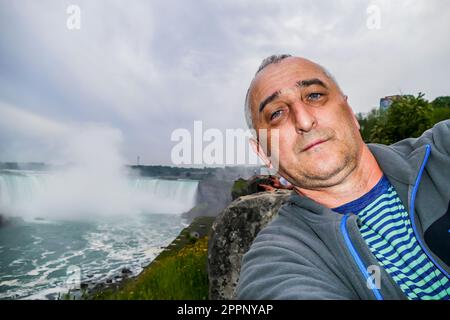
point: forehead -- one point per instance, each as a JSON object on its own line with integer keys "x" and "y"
{"x": 283, "y": 75}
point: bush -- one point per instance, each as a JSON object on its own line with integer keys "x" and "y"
{"x": 407, "y": 117}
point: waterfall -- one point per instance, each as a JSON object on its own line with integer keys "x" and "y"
{"x": 22, "y": 192}
{"x": 166, "y": 196}
{"x": 20, "y": 188}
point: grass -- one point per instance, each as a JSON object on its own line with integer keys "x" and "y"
{"x": 239, "y": 188}
{"x": 180, "y": 274}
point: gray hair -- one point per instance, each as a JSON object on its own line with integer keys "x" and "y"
{"x": 275, "y": 58}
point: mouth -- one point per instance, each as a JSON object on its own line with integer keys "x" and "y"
{"x": 313, "y": 144}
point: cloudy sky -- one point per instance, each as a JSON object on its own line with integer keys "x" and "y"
{"x": 142, "y": 69}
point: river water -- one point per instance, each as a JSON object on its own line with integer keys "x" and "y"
{"x": 42, "y": 256}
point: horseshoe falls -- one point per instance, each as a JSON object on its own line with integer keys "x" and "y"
{"x": 78, "y": 223}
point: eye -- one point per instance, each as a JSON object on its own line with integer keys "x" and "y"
{"x": 314, "y": 96}
{"x": 275, "y": 115}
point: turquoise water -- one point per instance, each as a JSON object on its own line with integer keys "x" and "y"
{"x": 38, "y": 257}
{"x": 64, "y": 234}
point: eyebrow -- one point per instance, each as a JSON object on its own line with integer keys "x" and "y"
{"x": 310, "y": 82}
{"x": 300, "y": 84}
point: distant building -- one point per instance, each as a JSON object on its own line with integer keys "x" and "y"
{"x": 387, "y": 101}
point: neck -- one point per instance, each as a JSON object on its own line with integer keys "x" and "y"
{"x": 360, "y": 181}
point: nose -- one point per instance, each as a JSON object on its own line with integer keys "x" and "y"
{"x": 305, "y": 120}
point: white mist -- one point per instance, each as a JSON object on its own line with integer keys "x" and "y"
{"x": 94, "y": 181}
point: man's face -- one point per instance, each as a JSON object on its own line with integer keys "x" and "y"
{"x": 319, "y": 139}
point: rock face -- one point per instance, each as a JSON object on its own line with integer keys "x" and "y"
{"x": 213, "y": 193}
{"x": 232, "y": 234}
{"x": 212, "y": 197}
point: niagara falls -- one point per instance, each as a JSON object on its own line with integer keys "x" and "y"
{"x": 84, "y": 218}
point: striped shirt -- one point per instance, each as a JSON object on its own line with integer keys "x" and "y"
{"x": 387, "y": 230}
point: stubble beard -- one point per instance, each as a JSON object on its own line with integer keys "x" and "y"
{"x": 330, "y": 178}
{"x": 315, "y": 179}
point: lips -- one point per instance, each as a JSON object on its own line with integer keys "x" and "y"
{"x": 314, "y": 143}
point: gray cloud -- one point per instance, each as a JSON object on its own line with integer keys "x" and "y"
{"x": 149, "y": 67}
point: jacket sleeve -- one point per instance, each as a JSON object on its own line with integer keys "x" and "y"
{"x": 438, "y": 136}
{"x": 272, "y": 269}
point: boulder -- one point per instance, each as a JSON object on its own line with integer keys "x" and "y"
{"x": 126, "y": 271}
{"x": 233, "y": 232}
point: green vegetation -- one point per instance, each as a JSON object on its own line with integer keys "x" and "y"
{"x": 441, "y": 109}
{"x": 407, "y": 117}
{"x": 239, "y": 188}
{"x": 174, "y": 172}
{"x": 181, "y": 275}
{"x": 178, "y": 272}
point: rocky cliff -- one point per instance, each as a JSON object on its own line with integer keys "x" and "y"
{"x": 212, "y": 197}
{"x": 232, "y": 234}
{"x": 214, "y": 191}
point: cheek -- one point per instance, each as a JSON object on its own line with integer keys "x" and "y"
{"x": 283, "y": 151}
{"x": 335, "y": 114}
{"x": 278, "y": 137}
{"x": 287, "y": 141}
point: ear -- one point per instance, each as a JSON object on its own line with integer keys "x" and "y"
{"x": 260, "y": 152}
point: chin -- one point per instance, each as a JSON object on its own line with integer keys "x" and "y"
{"x": 321, "y": 162}
{"x": 336, "y": 173}
{"x": 327, "y": 168}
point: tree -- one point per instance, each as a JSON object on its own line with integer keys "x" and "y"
{"x": 407, "y": 116}
{"x": 441, "y": 109}
{"x": 367, "y": 122}
{"x": 441, "y": 102}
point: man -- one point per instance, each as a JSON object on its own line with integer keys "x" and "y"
{"x": 364, "y": 221}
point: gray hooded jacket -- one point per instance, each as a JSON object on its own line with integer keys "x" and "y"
{"x": 310, "y": 252}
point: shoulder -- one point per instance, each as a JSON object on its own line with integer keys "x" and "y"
{"x": 437, "y": 137}
{"x": 288, "y": 260}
